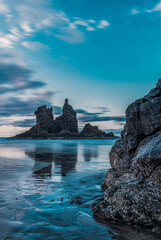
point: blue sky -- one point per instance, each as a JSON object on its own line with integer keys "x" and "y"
{"x": 101, "y": 54}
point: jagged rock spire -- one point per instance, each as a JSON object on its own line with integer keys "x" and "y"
{"x": 68, "y": 120}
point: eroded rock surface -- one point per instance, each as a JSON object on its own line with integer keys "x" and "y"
{"x": 133, "y": 184}
{"x": 63, "y": 127}
{"x": 68, "y": 120}
{"x": 95, "y": 132}
{"x": 44, "y": 124}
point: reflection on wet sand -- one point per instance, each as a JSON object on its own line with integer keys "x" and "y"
{"x": 91, "y": 152}
{"x": 65, "y": 159}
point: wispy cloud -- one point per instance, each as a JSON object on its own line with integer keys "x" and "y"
{"x": 20, "y": 93}
{"x": 97, "y": 118}
{"x": 14, "y": 78}
{"x": 156, "y": 8}
{"x": 4, "y": 8}
{"x": 103, "y": 24}
{"x": 85, "y": 116}
{"x": 8, "y": 40}
{"x": 134, "y": 11}
{"x": 28, "y": 18}
{"x": 34, "y": 45}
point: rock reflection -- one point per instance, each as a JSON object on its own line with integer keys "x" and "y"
{"x": 64, "y": 158}
{"x": 43, "y": 161}
{"x": 89, "y": 153}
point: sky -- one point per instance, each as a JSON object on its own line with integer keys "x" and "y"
{"x": 100, "y": 54}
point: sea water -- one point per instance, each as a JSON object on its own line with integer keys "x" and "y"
{"x": 47, "y": 188}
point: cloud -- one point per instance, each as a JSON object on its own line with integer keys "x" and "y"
{"x": 103, "y": 24}
{"x": 19, "y": 106}
{"x": 34, "y": 45}
{"x": 70, "y": 35}
{"x": 86, "y": 113}
{"x": 14, "y": 78}
{"x": 38, "y": 16}
{"x": 96, "y": 118}
{"x": 20, "y": 93}
{"x": 23, "y": 123}
{"x": 90, "y": 25}
{"x": 156, "y": 8}
{"x": 4, "y": 9}
{"x": 5, "y": 42}
{"x": 91, "y": 21}
{"x": 84, "y": 23}
{"x": 8, "y": 40}
{"x": 102, "y": 109}
{"x": 85, "y": 116}
{"x": 134, "y": 11}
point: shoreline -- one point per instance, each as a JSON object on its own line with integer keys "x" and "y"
{"x": 63, "y": 138}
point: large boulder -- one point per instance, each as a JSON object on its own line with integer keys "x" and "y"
{"x": 92, "y": 131}
{"x": 133, "y": 184}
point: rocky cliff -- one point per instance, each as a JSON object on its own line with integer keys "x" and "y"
{"x": 133, "y": 184}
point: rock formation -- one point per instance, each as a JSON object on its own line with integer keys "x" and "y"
{"x": 133, "y": 184}
{"x": 64, "y": 126}
{"x": 68, "y": 120}
{"x": 46, "y": 126}
{"x": 94, "y": 132}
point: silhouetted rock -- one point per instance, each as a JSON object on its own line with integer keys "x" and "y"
{"x": 133, "y": 184}
{"x": 44, "y": 124}
{"x": 92, "y": 131}
{"x": 68, "y": 120}
{"x": 64, "y": 126}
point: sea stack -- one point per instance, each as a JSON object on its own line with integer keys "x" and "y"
{"x": 47, "y": 127}
{"x": 133, "y": 184}
{"x": 68, "y": 120}
{"x": 63, "y": 127}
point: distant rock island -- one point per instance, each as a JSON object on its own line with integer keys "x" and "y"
{"x": 63, "y": 127}
{"x": 133, "y": 185}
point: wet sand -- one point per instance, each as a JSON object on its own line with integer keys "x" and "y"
{"x": 47, "y": 189}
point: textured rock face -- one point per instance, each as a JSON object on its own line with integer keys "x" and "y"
{"x": 68, "y": 120}
{"x": 44, "y": 124}
{"x": 92, "y": 131}
{"x": 95, "y": 132}
{"x": 133, "y": 184}
{"x": 64, "y": 126}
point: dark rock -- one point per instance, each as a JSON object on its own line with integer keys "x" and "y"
{"x": 68, "y": 120}
{"x": 64, "y": 126}
{"x": 94, "y": 131}
{"x": 68, "y": 134}
{"x": 133, "y": 184}
{"x": 110, "y": 134}
{"x": 46, "y": 127}
{"x": 44, "y": 124}
{"x": 77, "y": 200}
